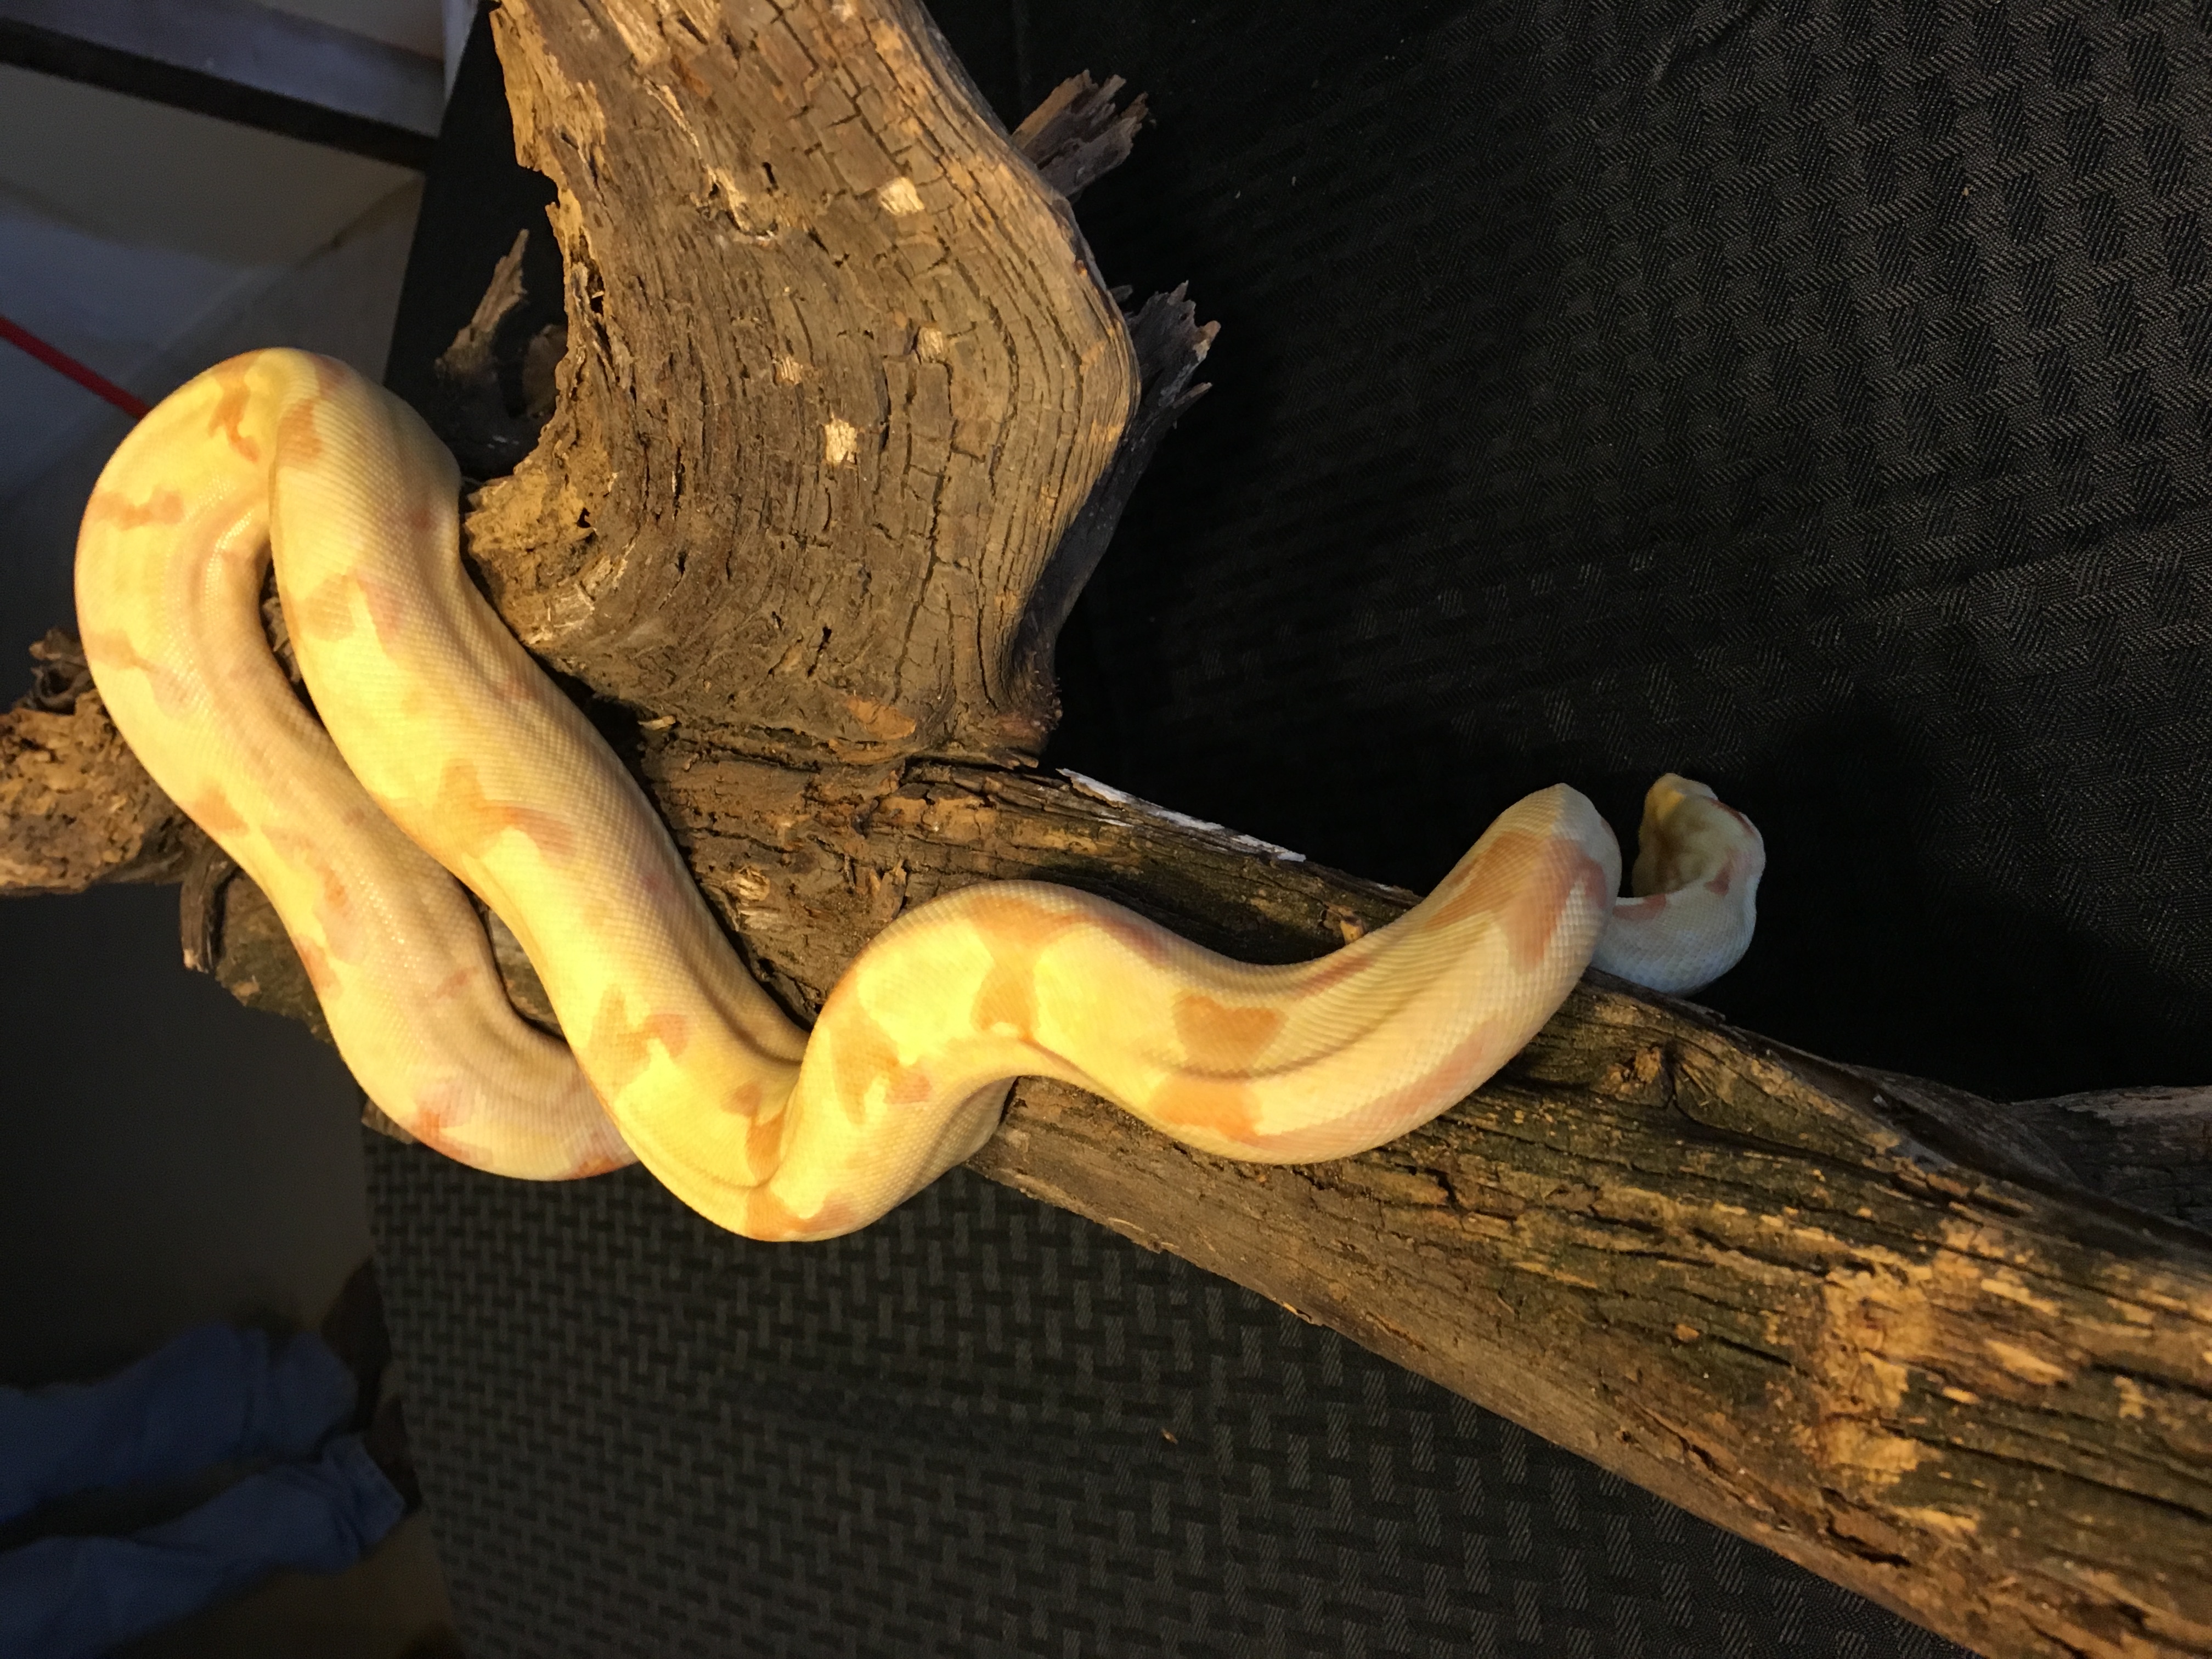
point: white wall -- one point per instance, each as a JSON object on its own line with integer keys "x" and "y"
{"x": 166, "y": 1155}
{"x": 417, "y": 26}
{"x": 169, "y": 1156}
{"x": 339, "y": 300}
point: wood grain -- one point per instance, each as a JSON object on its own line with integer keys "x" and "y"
{"x": 840, "y": 372}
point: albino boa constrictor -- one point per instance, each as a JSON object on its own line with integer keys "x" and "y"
{"x": 458, "y": 752}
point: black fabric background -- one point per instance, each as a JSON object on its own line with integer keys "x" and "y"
{"x": 1812, "y": 398}
{"x": 950, "y": 1435}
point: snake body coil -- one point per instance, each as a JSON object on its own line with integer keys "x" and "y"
{"x": 443, "y": 748}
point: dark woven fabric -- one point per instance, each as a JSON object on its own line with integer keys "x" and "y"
{"x": 986, "y": 1427}
{"x": 1814, "y": 397}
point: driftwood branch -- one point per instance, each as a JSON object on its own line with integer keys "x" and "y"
{"x": 844, "y": 419}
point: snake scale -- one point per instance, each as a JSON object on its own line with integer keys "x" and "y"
{"x": 441, "y": 747}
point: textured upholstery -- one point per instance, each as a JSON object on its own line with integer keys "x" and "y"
{"x": 986, "y": 1427}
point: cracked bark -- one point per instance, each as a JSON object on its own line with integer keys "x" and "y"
{"x": 1956, "y": 1355}
{"x": 857, "y": 469}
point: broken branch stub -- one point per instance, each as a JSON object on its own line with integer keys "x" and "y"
{"x": 1077, "y": 134}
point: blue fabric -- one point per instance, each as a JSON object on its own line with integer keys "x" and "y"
{"x": 215, "y": 1394}
{"x": 74, "y": 1598}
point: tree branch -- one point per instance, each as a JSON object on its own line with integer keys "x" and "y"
{"x": 1076, "y": 134}
{"x": 2151, "y": 1148}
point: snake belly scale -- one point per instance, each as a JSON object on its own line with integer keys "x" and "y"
{"x": 441, "y": 747}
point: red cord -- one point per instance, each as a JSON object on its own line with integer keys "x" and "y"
{"x": 62, "y": 364}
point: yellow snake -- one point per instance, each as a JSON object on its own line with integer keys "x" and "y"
{"x": 442, "y": 743}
